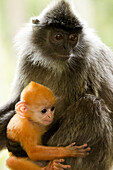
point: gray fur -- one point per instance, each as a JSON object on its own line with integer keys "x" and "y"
{"x": 83, "y": 85}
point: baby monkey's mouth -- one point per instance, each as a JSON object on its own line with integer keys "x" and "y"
{"x": 47, "y": 122}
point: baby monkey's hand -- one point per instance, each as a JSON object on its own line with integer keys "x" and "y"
{"x": 78, "y": 151}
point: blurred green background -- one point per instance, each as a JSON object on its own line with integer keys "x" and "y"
{"x": 15, "y": 13}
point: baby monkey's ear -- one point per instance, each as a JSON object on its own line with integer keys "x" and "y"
{"x": 35, "y": 21}
{"x": 21, "y": 108}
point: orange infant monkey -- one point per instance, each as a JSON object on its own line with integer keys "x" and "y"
{"x": 34, "y": 113}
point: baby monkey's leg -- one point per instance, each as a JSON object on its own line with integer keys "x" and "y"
{"x": 15, "y": 163}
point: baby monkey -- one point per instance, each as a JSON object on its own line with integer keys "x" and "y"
{"x": 34, "y": 114}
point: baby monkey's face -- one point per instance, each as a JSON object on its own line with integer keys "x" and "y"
{"x": 43, "y": 115}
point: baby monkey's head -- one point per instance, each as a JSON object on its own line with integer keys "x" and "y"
{"x": 37, "y": 104}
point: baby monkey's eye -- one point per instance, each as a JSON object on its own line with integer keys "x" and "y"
{"x": 53, "y": 108}
{"x": 44, "y": 111}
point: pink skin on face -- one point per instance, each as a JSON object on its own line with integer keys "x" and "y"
{"x": 48, "y": 117}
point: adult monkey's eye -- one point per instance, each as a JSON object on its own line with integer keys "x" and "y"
{"x": 59, "y": 36}
{"x": 56, "y": 37}
{"x": 73, "y": 37}
{"x": 44, "y": 111}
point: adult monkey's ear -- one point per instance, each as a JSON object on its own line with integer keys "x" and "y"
{"x": 35, "y": 21}
{"x": 21, "y": 108}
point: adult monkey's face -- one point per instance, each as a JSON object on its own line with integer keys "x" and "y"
{"x": 57, "y": 33}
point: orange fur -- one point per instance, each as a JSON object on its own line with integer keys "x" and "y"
{"x": 29, "y": 124}
{"x": 37, "y": 93}
{"x": 22, "y": 164}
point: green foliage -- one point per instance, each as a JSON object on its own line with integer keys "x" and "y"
{"x": 3, "y": 157}
{"x": 104, "y": 20}
{"x": 3, "y": 22}
{"x": 34, "y": 7}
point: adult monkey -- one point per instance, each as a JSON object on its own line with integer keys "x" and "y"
{"x": 60, "y": 52}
